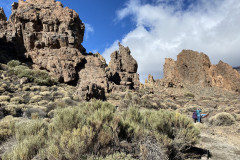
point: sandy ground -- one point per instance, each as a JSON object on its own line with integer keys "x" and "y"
{"x": 222, "y": 142}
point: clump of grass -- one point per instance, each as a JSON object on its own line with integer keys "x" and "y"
{"x": 222, "y": 119}
{"x": 7, "y": 127}
{"x": 39, "y": 77}
{"x": 189, "y": 95}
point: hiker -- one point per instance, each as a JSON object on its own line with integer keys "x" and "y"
{"x": 197, "y": 116}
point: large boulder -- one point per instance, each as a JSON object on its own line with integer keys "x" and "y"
{"x": 195, "y": 68}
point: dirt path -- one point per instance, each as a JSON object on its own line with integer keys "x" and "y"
{"x": 223, "y": 143}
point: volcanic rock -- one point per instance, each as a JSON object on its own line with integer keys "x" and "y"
{"x": 93, "y": 81}
{"x": 195, "y": 68}
{"x": 48, "y": 34}
{"x": 2, "y": 15}
{"x": 50, "y": 37}
{"x": 123, "y": 70}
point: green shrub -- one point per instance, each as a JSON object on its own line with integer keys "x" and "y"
{"x": 92, "y": 128}
{"x": 171, "y": 128}
{"x": 7, "y": 127}
{"x": 13, "y": 63}
{"x": 39, "y": 77}
{"x": 31, "y": 136}
{"x": 190, "y": 95}
{"x": 77, "y": 131}
{"x": 222, "y": 119}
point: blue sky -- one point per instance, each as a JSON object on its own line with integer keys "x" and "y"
{"x": 99, "y": 16}
{"x": 159, "y": 29}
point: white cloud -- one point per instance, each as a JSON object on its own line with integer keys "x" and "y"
{"x": 163, "y": 30}
{"x": 88, "y": 30}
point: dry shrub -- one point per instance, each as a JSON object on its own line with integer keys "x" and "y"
{"x": 171, "y": 128}
{"x": 7, "y": 127}
{"x": 31, "y": 136}
{"x": 222, "y": 119}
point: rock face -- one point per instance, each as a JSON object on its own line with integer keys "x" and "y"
{"x": 123, "y": 70}
{"x": 50, "y": 36}
{"x": 195, "y": 68}
{"x": 2, "y": 15}
{"x": 96, "y": 78}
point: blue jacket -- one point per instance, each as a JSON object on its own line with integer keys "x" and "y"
{"x": 198, "y": 113}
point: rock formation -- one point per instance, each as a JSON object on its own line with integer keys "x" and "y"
{"x": 50, "y": 36}
{"x": 195, "y": 68}
{"x": 2, "y": 15}
{"x": 123, "y": 70}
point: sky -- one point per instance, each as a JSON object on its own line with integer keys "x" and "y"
{"x": 159, "y": 29}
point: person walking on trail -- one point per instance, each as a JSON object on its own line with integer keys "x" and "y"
{"x": 198, "y": 111}
{"x": 197, "y": 116}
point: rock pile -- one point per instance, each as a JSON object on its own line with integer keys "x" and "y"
{"x": 195, "y": 68}
{"x": 50, "y": 36}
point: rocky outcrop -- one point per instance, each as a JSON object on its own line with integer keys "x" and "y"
{"x": 50, "y": 36}
{"x": 93, "y": 81}
{"x": 2, "y": 15}
{"x": 195, "y": 68}
{"x": 122, "y": 70}
{"x": 96, "y": 78}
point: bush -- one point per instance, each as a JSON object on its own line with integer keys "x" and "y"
{"x": 39, "y": 77}
{"x": 13, "y": 63}
{"x": 170, "y": 128}
{"x": 78, "y": 131}
{"x": 6, "y": 127}
{"x": 222, "y": 119}
{"x": 31, "y": 136}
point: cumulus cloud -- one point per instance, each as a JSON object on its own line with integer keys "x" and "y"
{"x": 165, "y": 27}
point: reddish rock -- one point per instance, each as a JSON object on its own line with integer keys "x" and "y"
{"x": 195, "y": 68}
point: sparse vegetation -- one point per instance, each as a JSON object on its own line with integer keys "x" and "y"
{"x": 39, "y": 77}
{"x": 92, "y": 127}
{"x": 6, "y": 127}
